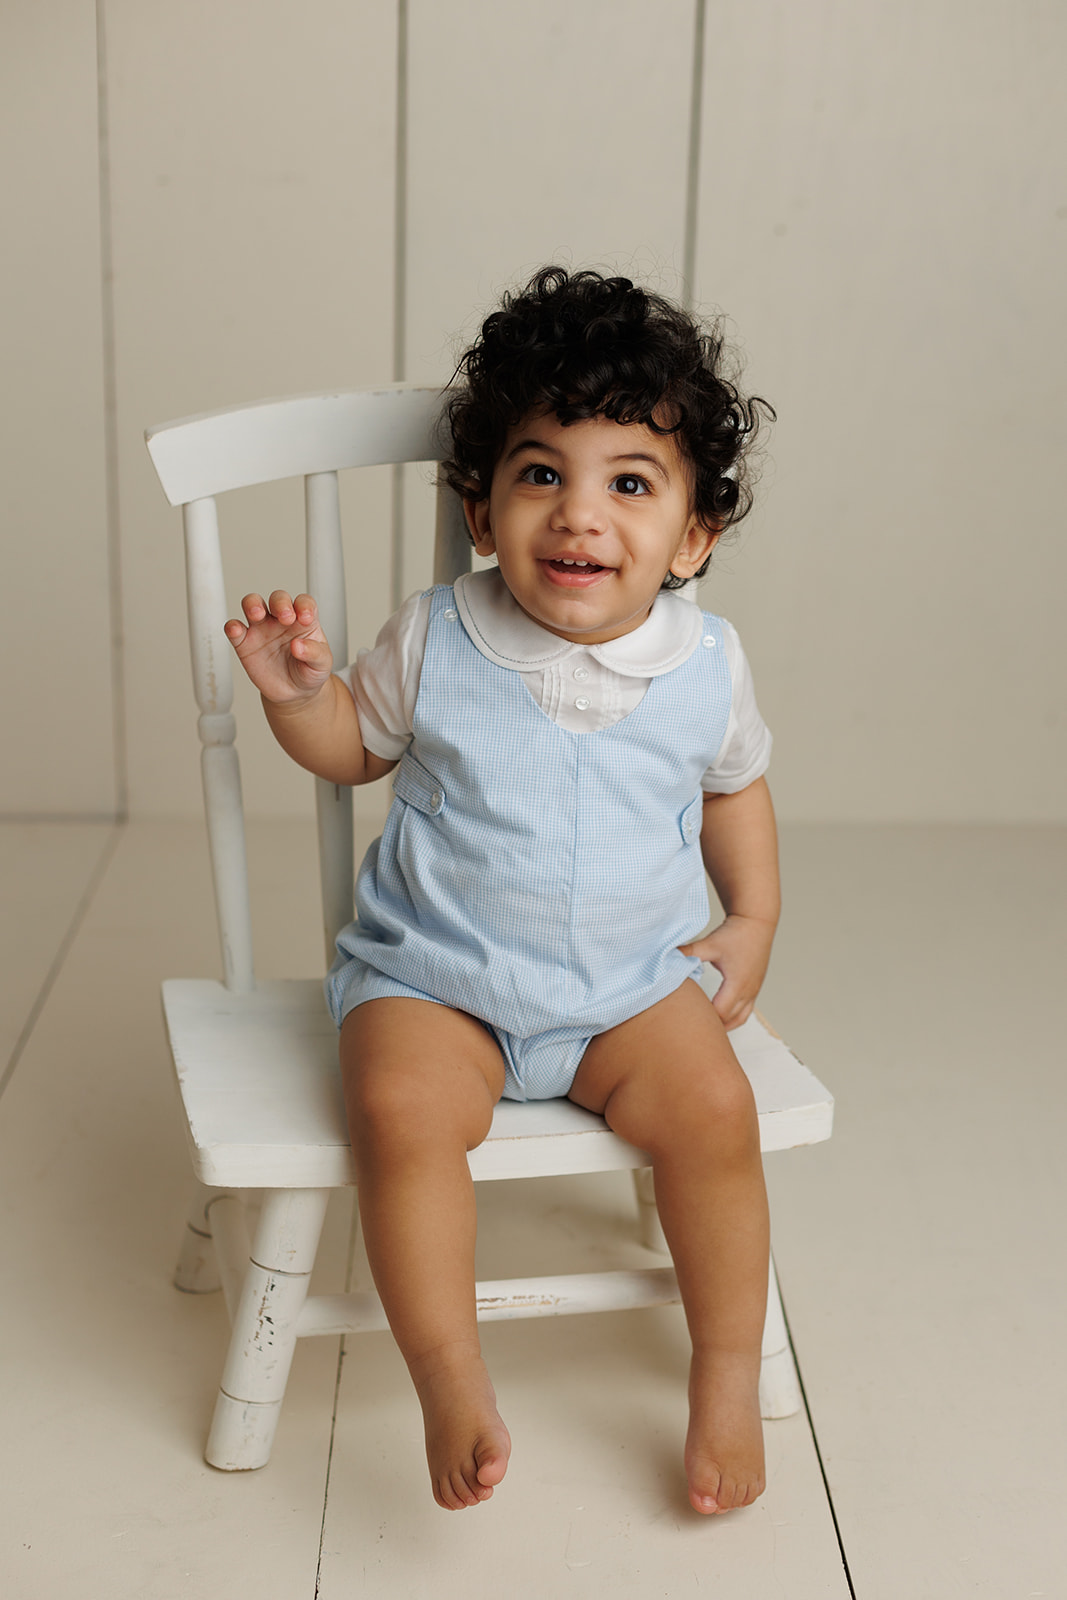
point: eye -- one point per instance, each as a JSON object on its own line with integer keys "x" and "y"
{"x": 544, "y": 477}
{"x": 629, "y": 483}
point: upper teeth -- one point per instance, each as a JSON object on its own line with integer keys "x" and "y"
{"x": 569, "y": 563}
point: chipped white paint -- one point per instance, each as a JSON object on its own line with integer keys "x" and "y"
{"x": 272, "y": 1294}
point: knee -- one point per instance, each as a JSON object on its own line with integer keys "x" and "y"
{"x": 729, "y": 1116}
{"x": 712, "y": 1113}
{"x": 378, "y": 1099}
{"x": 398, "y": 1112}
{"x": 382, "y": 1107}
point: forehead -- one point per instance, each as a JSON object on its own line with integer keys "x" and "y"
{"x": 599, "y": 439}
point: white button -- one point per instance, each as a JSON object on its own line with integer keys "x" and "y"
{"x": 708, "y": 642}
{"x": 450, "y": 615}
{"x": 436, "y": 799}
{"x": 582, "y": 703}
{"x": 581, "y": 672}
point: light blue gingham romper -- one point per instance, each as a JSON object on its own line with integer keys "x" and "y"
{"x": 537, "y": 878}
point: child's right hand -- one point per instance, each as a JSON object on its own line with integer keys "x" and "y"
{"x": 282, "y": 647}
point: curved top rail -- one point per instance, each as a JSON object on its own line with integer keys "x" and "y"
{"x": 268, "y": 439}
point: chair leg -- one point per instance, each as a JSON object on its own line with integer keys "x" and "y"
{"x": 197, "y": 1271}
{"x": 779, "y": 1388}
{"x": 264, "y": 1329}
{"x": 651, "y": 1229}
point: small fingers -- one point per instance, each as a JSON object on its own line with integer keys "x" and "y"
{"x": 281, "y": 606}
{"x": 285, "y": 609}
{"x": 726, "y": 1001}
{"x": 307, "y": 612}
{"x": 733, "y": 1008}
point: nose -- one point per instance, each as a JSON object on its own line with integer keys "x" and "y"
{"x": 580, "y": 508}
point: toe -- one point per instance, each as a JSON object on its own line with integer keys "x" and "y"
{"x": 453, "y": 1492}
{"x": 442, "y": 1493}
{"x": 705, "y": 1491}
{"x": 466, "y": 1488}
{"x": 491, "y": 1463}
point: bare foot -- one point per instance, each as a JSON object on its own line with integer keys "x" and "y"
{"x": 467, "y": 1444}
{"x": 724, "y": 1446}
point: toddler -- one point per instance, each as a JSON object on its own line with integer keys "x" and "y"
{"x": 573, "y": 744}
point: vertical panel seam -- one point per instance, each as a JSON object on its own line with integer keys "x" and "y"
{"x": 400, "y": 196}
{"x": 692, "y": 176}
{"x": 400, "y": 273}
{"x": 111, "y": 463}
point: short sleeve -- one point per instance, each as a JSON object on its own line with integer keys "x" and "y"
{"x": 384, "y": 681}
{"x": 745, "y": 752}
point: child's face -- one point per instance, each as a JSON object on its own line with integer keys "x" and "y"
{"x": 614, "y": 496}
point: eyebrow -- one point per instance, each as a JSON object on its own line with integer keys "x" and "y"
{"x": 641, "y": 455}
{"x": 551, "y": 449}
{"x": 530, "y": 444}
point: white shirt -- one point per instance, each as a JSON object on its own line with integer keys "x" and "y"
{"x": 582, "y": 687}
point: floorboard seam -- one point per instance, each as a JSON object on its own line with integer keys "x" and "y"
{"x": 329, "y": 1463}
{"x": 56, "y": 967}
{"x": 353, "y": 1239}
{"x": 818, "y": 1456}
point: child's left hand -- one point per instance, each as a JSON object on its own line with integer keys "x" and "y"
{"x": 739, "y": 948}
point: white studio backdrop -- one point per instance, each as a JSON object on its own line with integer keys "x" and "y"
{"x": 878, "y": 211}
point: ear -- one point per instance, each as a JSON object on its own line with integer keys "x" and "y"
{"x": 698, "y": 542}
{"x": 477, "y": 515}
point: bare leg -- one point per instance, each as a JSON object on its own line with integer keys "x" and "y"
{"x": 669, "y": 1082}
{"x": 420, "y": 1083}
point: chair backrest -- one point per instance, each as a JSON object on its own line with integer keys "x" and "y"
{"x": 313, "y": 437}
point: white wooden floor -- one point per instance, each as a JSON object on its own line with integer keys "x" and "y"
{"x": 919, "y": 971}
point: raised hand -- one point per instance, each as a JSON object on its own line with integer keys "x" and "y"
{"x": 281, "y": 646}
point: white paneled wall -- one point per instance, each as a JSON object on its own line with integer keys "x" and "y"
{"x": 878, "y": 213}
{"x": 56, "y": 733}
{"x": 555, "y": 136}
{"x": 884, "y": 216}
{"x": 562, "y": 137}
{"x": 253, "y": 180}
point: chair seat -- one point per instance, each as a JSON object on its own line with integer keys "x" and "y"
{"x": 261, "y": 1087}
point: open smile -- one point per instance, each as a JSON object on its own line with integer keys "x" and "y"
{"x": 570, "y": 572}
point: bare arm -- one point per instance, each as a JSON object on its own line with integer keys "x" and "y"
{"x": 313, "y": 717}
{"x": 739, "y": 843}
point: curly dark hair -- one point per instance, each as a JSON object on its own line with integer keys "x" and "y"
{"x": 583, "y": 345}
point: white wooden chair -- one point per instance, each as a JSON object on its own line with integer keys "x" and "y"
{"x": 257, "y": 1063}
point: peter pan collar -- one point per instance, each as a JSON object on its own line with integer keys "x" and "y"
{"x": 504, "y": 634}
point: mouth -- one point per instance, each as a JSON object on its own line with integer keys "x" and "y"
{"x": 574, "y": 572}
